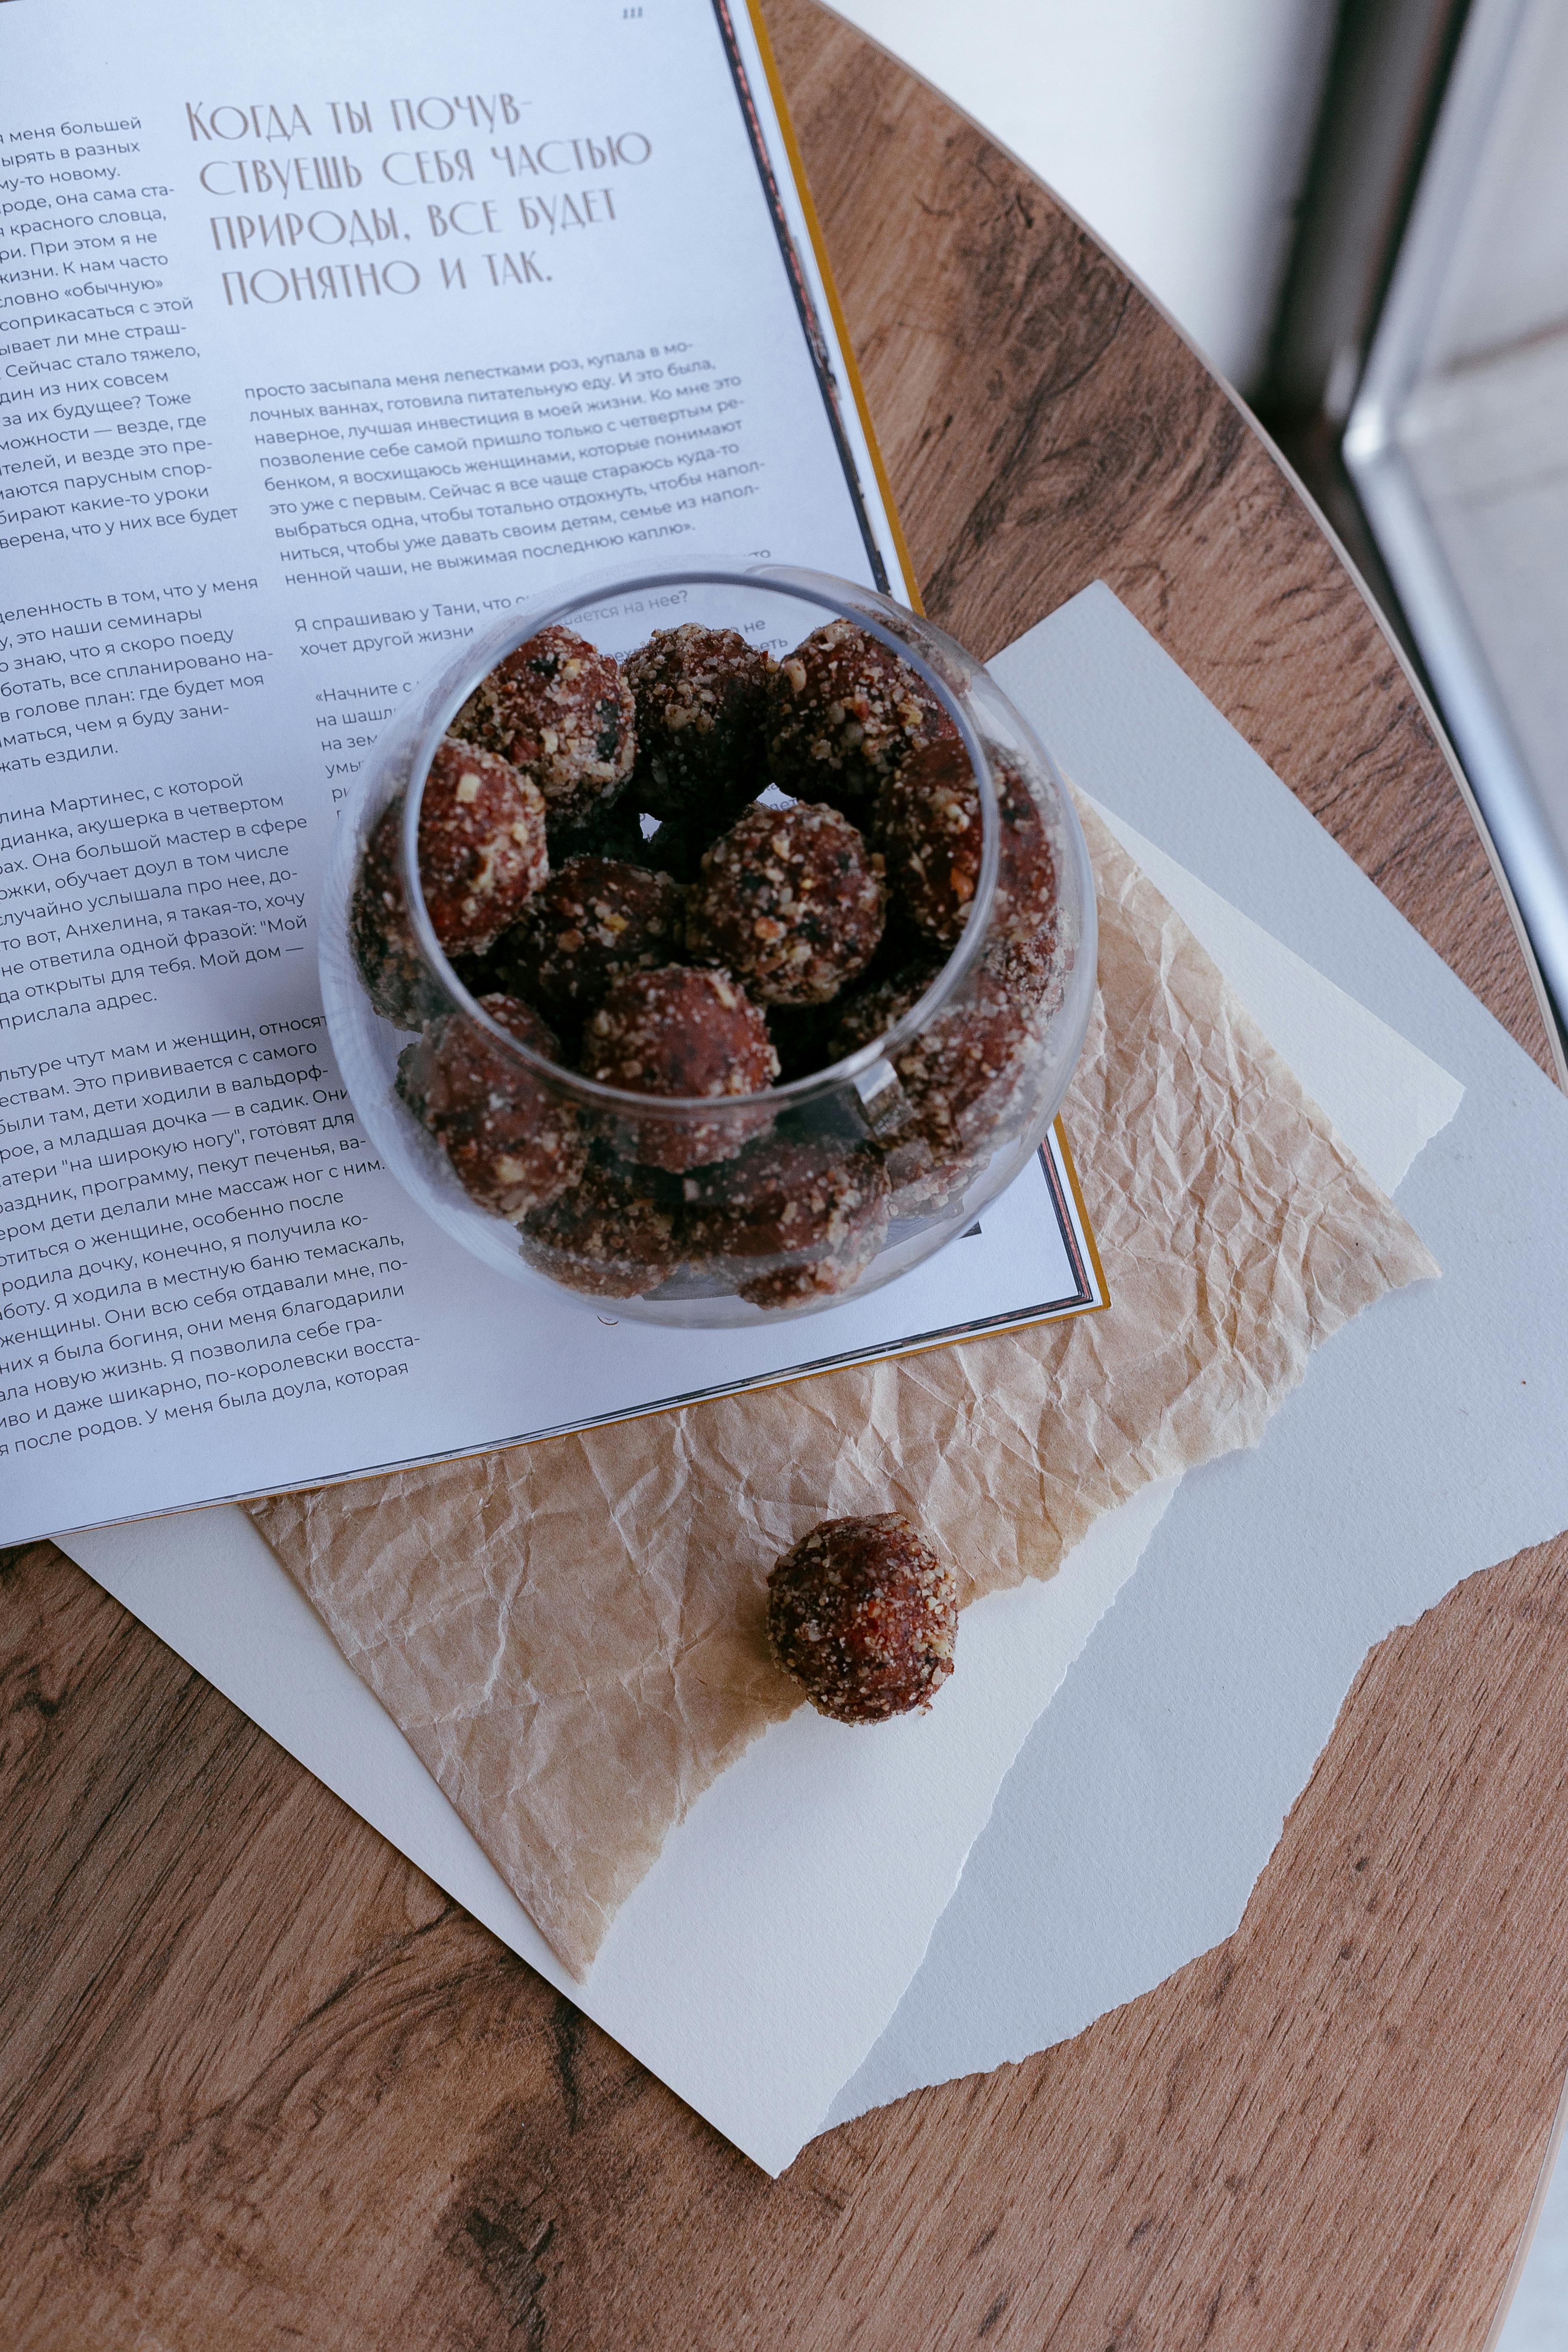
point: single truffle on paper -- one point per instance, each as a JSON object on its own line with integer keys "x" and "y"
{"x": 844, "y": 712}
{"x": 864, "y": 1616}
{"x": 701, "y": 698}
{"x": 594, "y": 920}
{"x": 607, "y": 1236}
{"x": 679, "y": 1032}
{"x": 790, "y": 901}
{"x": 512, "y": 1145}
{"x": 791, "y": 1219}
{"x": 482, "y": 853}
{"x": 558, "y": 708}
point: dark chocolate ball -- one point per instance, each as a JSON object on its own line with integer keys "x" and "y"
{"x": 792, "y": 1219}
{"x": 514, "y": 1145}
{"x": 679, "y": 1032}
{"x": 594, "y": 920}
{"x": 790, "y": 901}
{"x": 482, "y": 855}
{"x": 559, "y": 709}
{"x": 844, "y": 712}
{"x": 607, "y": 1235}
{"x": 864, "y": 1616}
{"x": 701, "y": 698}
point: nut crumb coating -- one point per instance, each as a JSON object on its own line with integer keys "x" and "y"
{"x": 701, "y": 698}
{"x": 512, "y": 1145}
{"x": 930, "y": 827}
{"x": 558, "y": 708}
{"x": 791, "y": 1219}
{"x": 864, "y": 1616}
{"x": 482, "y": 855}
{"x": 607, "y": 1236}
{"x": 682, "y": 1033}
{"x": 960, "y": 1068}
{"x": 844, "y": 712}
{"x": 790, "y": 901}
{"x": 593, "y": 920}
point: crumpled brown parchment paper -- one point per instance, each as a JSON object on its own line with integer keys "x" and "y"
{"x": 570, "y": 1633}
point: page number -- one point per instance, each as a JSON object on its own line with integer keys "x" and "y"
{"x": 631, "y": 12}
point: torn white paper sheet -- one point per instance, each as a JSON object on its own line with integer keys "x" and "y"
{"x": 1428, "y": 1443}
{"x": 762, "y": 1953}
{"x": 1389, "y": 1098}
{"x": 765, "y": 1950}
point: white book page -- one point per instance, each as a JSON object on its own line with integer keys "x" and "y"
{"x": 328, "y": 335}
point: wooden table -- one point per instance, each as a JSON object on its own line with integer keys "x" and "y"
{"x": 262, "y": 2084}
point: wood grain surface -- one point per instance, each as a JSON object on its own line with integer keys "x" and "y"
{"x": 262, "y": 2085}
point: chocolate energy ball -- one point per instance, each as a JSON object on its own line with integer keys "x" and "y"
{"x": 959, "y": 1071}
{"x": 791, "y": 1219}
{"x": 931, "y": 829}
{"x": 790, "y": 901}
{"x": 482, "y": 855}
{"x": 594, "y": 920}
{"x": 864, "y": 1616}
{"x": 512, "y": 1145}
{"x": 679, "y": 1032}
{"x": 701, "y": 698}
{"x": 843, "y": 713}
{"x": 607, "y": 1235}
{"x": 560, "y": 710}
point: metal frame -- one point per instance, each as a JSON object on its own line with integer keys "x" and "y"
{"x": 1473, "y": 706}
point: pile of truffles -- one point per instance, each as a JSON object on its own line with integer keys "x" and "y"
{"x": 597, "y": 860}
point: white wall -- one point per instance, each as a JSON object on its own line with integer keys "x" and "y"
{"x": 1178, "y": 128}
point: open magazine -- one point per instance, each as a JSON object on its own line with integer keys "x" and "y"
{"x": 328, "y": 337}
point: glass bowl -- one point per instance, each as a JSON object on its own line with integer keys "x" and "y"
{"x": 727, "y": 1208}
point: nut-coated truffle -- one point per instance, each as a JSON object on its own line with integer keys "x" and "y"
{"x": 559, "y": 709}
{"x": 513, "y": 1146}
{"x": 792, "y": 1219}
{"x": 844, "y": 712}
{"x": 930, "y": 827}
{"x": 607, "y": 1236}
{"x": 959, "y": 1069}
{"x": 701, "y": 699}
{"x": 482, "y": 855}
{"x": 594, "y": 920}
{"x": 864, "y": 1616}
{"x": 679, "y": 1032}
{"x": 790, "y": 901}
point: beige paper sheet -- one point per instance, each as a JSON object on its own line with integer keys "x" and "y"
{"x": 570, "y": 1633}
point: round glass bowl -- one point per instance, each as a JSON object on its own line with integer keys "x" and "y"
{"x": 945, "y": 1059}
